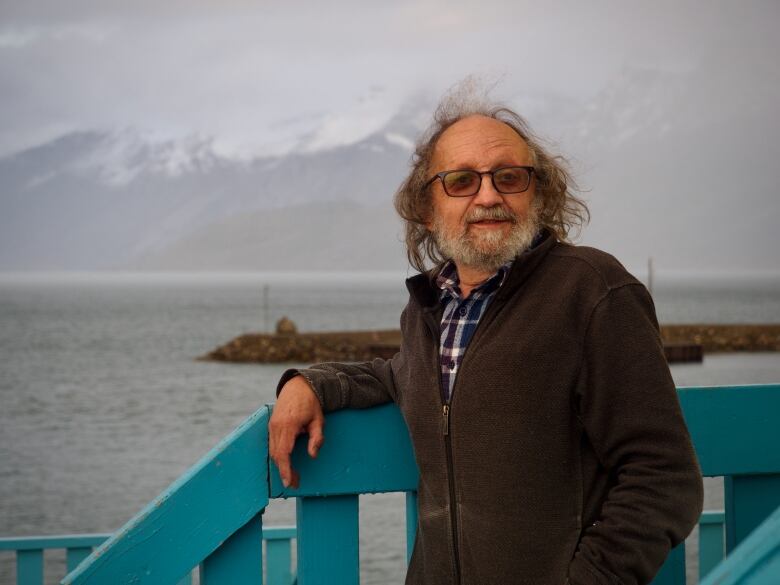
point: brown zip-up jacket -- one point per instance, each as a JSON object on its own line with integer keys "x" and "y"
{"x": 563, "y": 456}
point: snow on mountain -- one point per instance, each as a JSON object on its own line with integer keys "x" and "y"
{"x": 678, "y": 166}
{"x": 97, "y": 200}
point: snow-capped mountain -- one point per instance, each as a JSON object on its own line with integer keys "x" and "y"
{"x": 100, "y": 200}
{"x": 674, "y": 166}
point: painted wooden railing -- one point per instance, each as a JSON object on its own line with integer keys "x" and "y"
{"x": 30, "y": 550}
{"x": 756, "y": 561}
{"x": 29, "y": 553}
{"x": 213, "y": 514}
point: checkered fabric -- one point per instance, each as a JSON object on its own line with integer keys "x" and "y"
{"x": 460, "y": 318}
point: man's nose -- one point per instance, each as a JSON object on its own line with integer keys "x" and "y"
{"x": 487, "y": 196}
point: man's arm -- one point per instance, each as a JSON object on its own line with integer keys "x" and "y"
{"x": 629, "y": 409}
{"x": 303, "y": 396}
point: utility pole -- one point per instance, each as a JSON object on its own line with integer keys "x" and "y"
{"x": 266, "y": 325}
{"x": 650, "y": 275}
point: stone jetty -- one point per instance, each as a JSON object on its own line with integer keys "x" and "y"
{"x": 289, "y": 345}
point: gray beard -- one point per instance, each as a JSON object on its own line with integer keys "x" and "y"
{"x": 491, "y": 250}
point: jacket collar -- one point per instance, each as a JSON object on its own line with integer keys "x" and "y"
{"x": 422, "y": 287}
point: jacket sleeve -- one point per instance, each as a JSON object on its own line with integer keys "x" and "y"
{"x": 344, "y": 385}
{"x": 629, "y": 410}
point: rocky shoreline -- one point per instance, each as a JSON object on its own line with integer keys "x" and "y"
{"x": 725, "y": 338}
{"x": 287, "y": 345}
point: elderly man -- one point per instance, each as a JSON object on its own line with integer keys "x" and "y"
{"x": 531, "y": 376}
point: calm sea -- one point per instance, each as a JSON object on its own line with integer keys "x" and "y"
{"x": 102, "y": 403}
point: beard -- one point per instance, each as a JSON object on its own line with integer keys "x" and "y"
{"x": 488, "y": 250}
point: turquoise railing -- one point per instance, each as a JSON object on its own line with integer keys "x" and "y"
{"x": 212, "y": 515}
{"x": 756, "y": 561}
{"x": 30, "y": 551}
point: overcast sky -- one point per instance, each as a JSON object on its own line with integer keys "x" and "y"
{"x": 254, "y": 75}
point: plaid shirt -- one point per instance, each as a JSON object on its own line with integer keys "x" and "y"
{"x": 460, "y": 318}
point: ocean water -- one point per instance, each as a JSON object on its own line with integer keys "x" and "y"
{"x": 102, "y": 403}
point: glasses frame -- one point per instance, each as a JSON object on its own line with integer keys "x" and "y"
{"x": 443, "y": 174}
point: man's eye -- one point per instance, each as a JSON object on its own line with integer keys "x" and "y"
{"x": 507, "y": 177}
{"x": 459, "y": 180}
{"x": 463, "y": 179}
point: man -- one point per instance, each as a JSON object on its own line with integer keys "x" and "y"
{"x": 531, "y": 376}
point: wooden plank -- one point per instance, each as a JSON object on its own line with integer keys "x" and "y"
{"x": 46, "y": 542}
{"x": 29, "y": 567}
{"x": 672, "y": 572}
{"x": 279, "y": 532}
{"x": 411, "y": 523}
{"x": 239, "y": 559}
{"x": 74, "y": 556}
{"x": 750, "y": 499}
{"x": 190, "y": 519}
{"x": 728, "y": 423}
{"x": 756, "y": 561}
{"x": 712, "y": 544}
{"x": 365, "y": 451}
{"x": 328, "y": 550}
{"x": 278, "y": 561}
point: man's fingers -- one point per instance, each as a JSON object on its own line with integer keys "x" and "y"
{"x": 282, "y": 443}
{"x": 316, "y": 437}
{"x": 285, "y": 469}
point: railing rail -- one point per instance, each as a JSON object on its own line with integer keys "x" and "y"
{"x": 213, "y": 514}
{"x": 756, "y": 561}
{"x": 278, "y": 541}
{"x": 30, "y": 551}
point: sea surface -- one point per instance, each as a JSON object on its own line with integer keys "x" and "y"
{"x": 103, "y": 404}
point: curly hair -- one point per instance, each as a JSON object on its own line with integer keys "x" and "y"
{"x": 560, "y": 210}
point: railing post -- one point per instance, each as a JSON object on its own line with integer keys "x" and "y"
{"x": 328, "y": 548}
{"x": 278, "y": 560}
{"x": 411, "y": 523}
{"x": 29, "y": 567}
{"x": 74, "y": 556}
{"x": 711, "y": 546}
{"x": 672, "y": 572}
{"x": 239, "y": 559}
{"x": 750, "y": 499}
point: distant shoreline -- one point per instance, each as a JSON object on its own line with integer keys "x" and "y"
{"x": 365, "y": 345}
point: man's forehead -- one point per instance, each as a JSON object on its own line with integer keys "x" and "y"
{"x": 474, "y": 136}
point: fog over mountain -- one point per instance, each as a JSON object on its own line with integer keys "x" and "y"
{"x": 669, "y": 171}
{"x": 244, "y": 135}
{"x": 94, "y": 201}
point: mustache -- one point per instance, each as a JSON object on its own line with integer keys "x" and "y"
{"x": 496, "y": 213}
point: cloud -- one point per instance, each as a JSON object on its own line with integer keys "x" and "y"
{"x": 25, "y": 36}
{"x": 235, "y": 70}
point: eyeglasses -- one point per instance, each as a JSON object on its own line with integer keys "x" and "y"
{"x": 465, "y": 182}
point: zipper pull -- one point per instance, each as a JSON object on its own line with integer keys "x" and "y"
{"x": 446, "y": 412}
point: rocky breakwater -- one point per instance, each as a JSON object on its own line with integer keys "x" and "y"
{"x": 288, "y": 345}
{"x": 725, "y": 338}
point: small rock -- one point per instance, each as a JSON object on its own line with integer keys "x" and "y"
{"x": 285, "y": 326}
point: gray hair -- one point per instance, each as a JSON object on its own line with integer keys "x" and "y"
{"x": 560, "y": 210}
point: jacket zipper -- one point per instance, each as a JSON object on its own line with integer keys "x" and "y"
{"x": 445, "y": 408}
{"x": 451, "y": 483}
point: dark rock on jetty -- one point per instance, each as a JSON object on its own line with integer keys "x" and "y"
{"x": 289, "y": 346}
{"x": 725, "y": 338}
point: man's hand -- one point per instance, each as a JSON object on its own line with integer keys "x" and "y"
{"x": 297, "y": 411}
